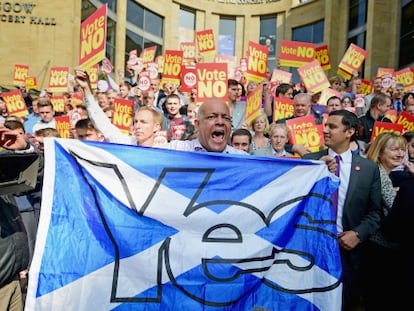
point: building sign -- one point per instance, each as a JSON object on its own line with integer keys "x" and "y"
{"x": 22, "y": 13}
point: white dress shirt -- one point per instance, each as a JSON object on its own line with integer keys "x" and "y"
{"x": 344, "y": 175}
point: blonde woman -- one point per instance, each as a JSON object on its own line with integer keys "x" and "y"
{"x": 388, "y": 151}
{"x": 260, "y": 130}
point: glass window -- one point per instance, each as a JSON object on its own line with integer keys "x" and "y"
{"x": 406, "y": 56}
{"x": 227, "y": 34}
{"x": 312, "y": 33}
{"x": 357, "y": 13}
{"x": 358, "y": 40}
{"x": 135, "y": 14}
{"x": 133, "y": 42}
{"x": 357, "y": 25}
{"x": 144, "y": 29}
{"x": 111, "y": 4}
{"x": 318, "y": 32}
{"x": 88, "y": 8}
{"x": 149, "y": 43}
{"x": 110, "y": 40}
{"x": 187, "y": 25}
{"x": 302, "y": 34}
{"x": 153, "y": 23}
{"x": 268, "y": 38}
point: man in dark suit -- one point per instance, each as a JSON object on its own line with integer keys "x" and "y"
{"x": 359, "y": 199}
{"x": 379, "y": 106}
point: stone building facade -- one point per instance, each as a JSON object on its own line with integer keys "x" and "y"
{"x": 44, "y": 34}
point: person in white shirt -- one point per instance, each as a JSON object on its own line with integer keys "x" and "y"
{"x": 213, "y": 124}
{"x": 147, "y": 121}
{"x": 47, "y": 114}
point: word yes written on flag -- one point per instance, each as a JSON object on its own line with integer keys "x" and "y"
{"x": 133, "y": 228}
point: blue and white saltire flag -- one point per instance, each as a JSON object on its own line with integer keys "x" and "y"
{"x": 135, "y": 228}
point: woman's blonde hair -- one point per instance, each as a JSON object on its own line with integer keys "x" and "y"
{"x": 261, "y": 116}
{"x": 377, "y": 147}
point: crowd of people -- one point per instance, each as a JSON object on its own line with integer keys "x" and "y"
{"x": 372, "y": 203}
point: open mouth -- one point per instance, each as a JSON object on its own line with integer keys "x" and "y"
{"x": 218, "y": 135}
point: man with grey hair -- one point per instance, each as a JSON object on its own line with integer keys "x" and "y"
{"x": 302, "y": 107}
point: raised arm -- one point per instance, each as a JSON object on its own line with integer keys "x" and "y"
{"x": 96, "y": 114}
